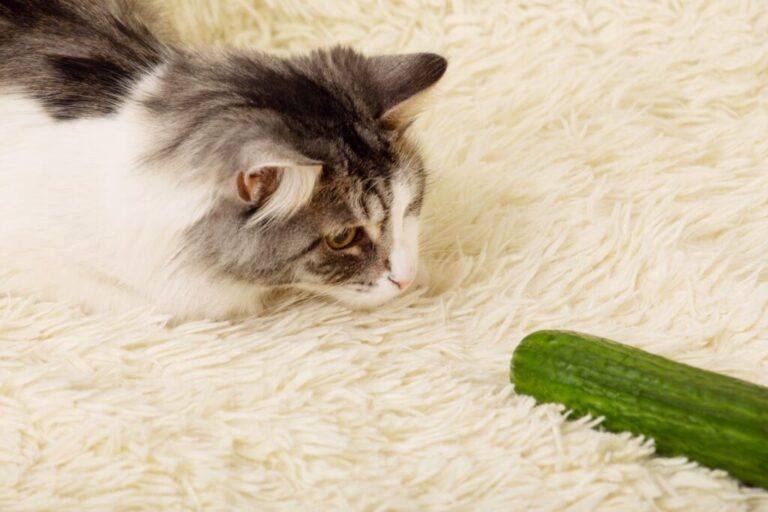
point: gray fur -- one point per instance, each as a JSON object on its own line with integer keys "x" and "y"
{"x": 78, "y": 57}
{"x": 214, "y": 110}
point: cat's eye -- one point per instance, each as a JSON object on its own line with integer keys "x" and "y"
{"x": 342, "y": 239}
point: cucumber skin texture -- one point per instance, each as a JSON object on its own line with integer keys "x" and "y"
{"x": 719, "y": 421}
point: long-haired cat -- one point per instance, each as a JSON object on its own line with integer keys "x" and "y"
{"x": 136, "y": 172}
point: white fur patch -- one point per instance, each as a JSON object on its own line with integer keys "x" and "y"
{"x": 405, "y": 235}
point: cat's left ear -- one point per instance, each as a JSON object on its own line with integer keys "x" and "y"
{"x": 400, "y": 80}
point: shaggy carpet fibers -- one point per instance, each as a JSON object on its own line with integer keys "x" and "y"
{"x": 598, "y": 166}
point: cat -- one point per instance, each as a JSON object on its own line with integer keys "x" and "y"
{"x": 136, "y": 172}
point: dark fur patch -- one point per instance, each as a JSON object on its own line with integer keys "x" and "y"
{"x": 100, "y": 77}
{"x": 27, "y": 14}
{"x": 79, "y": 58}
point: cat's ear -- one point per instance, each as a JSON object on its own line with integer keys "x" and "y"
{"x": 277, "y": 187}
{"x": 399, "y": 80}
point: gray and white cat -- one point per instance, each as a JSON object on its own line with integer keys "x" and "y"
{"x": 135, "y": 172}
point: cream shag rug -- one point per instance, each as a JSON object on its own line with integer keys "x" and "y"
{"x": 598, "y": 166}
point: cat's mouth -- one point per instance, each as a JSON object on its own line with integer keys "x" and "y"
{"x": 384, "y": 290}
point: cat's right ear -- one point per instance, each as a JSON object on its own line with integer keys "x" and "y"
{"x": 277, "y": 188}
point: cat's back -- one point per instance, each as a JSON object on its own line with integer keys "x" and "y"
{"x": 65, "y": 67}
{"x": 77, "y": 58}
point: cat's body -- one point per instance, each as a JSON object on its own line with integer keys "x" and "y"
{"x": 134, "y": 173}
{"x": 94, "y": 231}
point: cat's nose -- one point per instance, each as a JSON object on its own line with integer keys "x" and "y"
{"x": 401, "y": 285}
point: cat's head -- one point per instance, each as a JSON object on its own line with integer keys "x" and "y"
{"x": 317, "y": 184}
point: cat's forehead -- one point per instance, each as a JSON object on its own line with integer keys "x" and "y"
{"x": 349, "y": 200}
{"x": 356, "y": 151}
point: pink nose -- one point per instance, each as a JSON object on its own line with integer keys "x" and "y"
{"x": 402, "y": 285}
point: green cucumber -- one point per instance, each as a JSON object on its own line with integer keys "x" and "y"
{"x": 718, "y": 421}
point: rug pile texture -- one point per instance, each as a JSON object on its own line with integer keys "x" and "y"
{"x": 597, "y": 166}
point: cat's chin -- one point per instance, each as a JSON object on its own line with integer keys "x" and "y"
{"x": 354, "y": 298}
{"x": 363, "y": 302}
